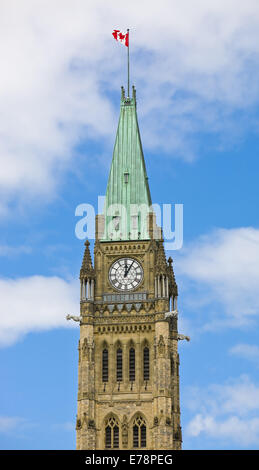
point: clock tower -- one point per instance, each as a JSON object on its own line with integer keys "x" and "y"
{"x": 128, "y": 369}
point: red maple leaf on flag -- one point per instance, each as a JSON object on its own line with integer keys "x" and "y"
{"x": 122, "y": 38}
{"x": 115, "y": 33}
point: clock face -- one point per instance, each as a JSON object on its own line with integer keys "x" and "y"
{"x": 125, "y": 274}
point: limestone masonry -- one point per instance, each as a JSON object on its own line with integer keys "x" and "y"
{"x": 128, "y": 369}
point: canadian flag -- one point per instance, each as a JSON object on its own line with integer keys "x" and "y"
{"x": 119, "y": 36}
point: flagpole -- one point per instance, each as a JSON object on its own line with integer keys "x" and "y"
{"x": 128, "y": 61}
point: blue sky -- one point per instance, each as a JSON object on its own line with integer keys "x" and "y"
{"x": 196, "y": 74}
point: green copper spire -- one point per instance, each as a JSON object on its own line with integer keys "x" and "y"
{"x": 128, "y": 199}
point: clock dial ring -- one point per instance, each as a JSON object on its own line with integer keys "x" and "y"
{"x": 125, "y": 274}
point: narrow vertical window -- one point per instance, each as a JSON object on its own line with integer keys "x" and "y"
{"x": 108, "y": 437}
{"x": 132, "y": 364}
{"x": 139, "y": 432}
{"x": 111, "y": 433}
{"x": 146, "y": 363}
{"x": 105, "y": 373}
{"x": 135, "y": 436}
{"x": 119, "y": 365}
{"x": 116, "y": 437}
{"x": 143, "y": 439}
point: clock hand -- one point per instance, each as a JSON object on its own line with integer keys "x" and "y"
{"x": 125, "y": 267}
{"x": 127, "y": 272}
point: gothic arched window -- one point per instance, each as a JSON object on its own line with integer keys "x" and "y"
{"x": 132, "y": 365}
{"x": 146, "y": 363}
{"x": 119, "y": 365}
{"x": 111, "y": 433}
{"x": 139, "y": 432}
{"x": 105, "y": 365}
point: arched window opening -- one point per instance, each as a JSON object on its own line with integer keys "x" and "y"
{"x": 116, "y": 221}
{"x": 139, "y": 432}
{"x": 135, "y": 435}
{"x": 111, "y": 433}
{"x": 146, "y": 363}
{"x": 119, "y": 365}
{"x": 105, "y": 365}
{"x": 108, "y": 437}
{"x": 132, "y": 364}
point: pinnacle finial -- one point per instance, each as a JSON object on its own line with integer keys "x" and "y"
{"x": 87, "y": 267}
{"x": 122, "y": 94}
{"x": 161, "y": 265}
{"x": 171, "y": 277}
{"x": 134, "y": 93}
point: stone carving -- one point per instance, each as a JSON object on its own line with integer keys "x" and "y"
{"x": 155, "y": 421}
{"x": 92, "y": 350}
{"x": 182, "y": 337}
{"x": 78, "y": 424}
{"x": 161, "y": 417}
{"x": 173, "y": 314}
{"x": 73, "y": 317}
{"x": 85, "y": 348}
{"x": 161, "y": 345}
{"x": 178, "y": 433}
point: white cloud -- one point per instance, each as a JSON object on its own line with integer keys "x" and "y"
{"x": 8, "y": 423}
{"x": 35, "y": 303}
{"x": 243, "y": 432}
{"x": 7, "y": 250}
{"x": 222, "y": 269}
{"x": 194, "y": 64}
{"x": 66, "y": 426}
{"x": 229, "y": 411}
{"x": 246, "y": 351}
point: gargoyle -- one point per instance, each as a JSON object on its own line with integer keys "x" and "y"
{"x": 173, "y": 314}
{"x": 73, "y": 317}
{"x": 181, "y": 337}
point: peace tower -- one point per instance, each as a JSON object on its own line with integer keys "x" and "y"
{"x": 128, "y": 370}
